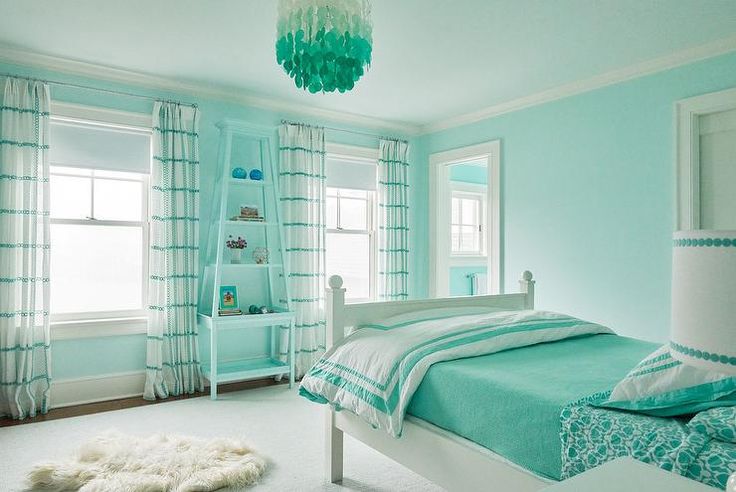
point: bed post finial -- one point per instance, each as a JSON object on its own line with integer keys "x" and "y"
{"x": 335, "y": 282}
{"x": 335, "y": 306}
{"x": 526, "y": 286}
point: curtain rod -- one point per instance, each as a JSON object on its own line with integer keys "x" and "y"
{"x": 90, "y": 88}
{"x": 193, "y": 105}
{"x": 355, "y": 132}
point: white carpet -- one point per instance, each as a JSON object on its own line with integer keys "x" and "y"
{"x": 286, "y": 429}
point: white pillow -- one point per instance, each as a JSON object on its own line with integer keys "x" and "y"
{"x": 663, "y": 386}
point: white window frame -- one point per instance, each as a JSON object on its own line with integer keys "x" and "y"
{"x": 105, "y": 323}
{"x": 439, "y": 220}
{"x": 471, "y": 192}
{"x": 370, "y": 157}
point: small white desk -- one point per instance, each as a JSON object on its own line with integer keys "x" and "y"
{"x": 628, "y": 475}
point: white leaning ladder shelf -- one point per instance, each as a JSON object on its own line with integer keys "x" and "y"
{"x": 257, "y": 283}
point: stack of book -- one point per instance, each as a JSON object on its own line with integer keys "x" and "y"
{"x": 229, "y": 312}
{"x": 247, "y": 219}
{"x": 248, "y": 214}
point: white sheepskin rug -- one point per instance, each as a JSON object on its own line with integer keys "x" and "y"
{"x": 115, "y": 462}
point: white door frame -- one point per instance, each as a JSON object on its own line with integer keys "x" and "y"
{"x": 687, "y": 121}
{"x": 439, "y": 199}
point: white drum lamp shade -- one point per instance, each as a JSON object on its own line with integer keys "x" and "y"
{"x": 704, "y": 299}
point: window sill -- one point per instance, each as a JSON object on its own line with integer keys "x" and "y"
{"x": 97, "y": 328}
{"x": 469, "y": 260}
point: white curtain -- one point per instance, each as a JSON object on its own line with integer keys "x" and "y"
{"x": 25, "y": 377}
{"x": 393, "y": 223}
{"x": 173, "y": 363}
{"x": 302, "y": 187}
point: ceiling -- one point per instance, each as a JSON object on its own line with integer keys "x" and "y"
{"x": 433, "y": 59}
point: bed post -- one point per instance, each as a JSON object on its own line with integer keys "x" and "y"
{"x": 526, "y": 286}
{"x": 335, "y": 301}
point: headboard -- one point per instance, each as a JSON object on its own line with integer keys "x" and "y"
{"x": 341, "y": 315}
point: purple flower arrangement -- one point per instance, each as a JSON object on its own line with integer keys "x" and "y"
{"x": 239, "y": 243}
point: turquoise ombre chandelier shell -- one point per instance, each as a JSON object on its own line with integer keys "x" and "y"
{"x": 324, "y": 45}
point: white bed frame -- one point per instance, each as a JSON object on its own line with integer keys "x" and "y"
{"x": 444, "y": 458}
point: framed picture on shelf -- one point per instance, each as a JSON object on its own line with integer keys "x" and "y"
{"x": 229, "y": 298}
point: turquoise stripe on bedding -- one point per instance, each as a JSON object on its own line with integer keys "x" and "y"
{"x": 510, "y": 402}
{"x": 415, "y": 353}
{"x": 400, "y": 358}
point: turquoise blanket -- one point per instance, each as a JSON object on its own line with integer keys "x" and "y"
{"x": 510, "y": 402}
{"x": 592, "y": 436}
{"x": 375, "y": 371}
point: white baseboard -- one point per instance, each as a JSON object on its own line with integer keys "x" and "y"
{"x": 91, "y": 389}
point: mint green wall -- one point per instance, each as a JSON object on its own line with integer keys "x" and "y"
{"x": 587, "y": 186}
{"x": 467, "y": 173}
{"x": 106, "y": 355}
{"x": 588, "y": 190}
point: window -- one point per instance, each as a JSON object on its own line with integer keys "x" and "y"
{"x": 99, "y": 220}
{"x": 351, "y": 240}
{"x": 466, "y": 224}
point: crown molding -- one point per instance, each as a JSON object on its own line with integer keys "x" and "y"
{"x": 239, "y": 96}
{"x": 68, "y": 66}
{"x": 648, "y": 67}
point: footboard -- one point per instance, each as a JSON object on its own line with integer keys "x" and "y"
{"x": 341, "y": 316}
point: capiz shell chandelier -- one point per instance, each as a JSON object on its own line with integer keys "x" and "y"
{"x": 324, "y": 45}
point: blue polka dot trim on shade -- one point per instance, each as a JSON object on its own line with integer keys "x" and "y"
{"x": 700, "y": 354}
{"x": 704, "y": 242}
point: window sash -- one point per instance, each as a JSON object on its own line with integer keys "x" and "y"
{"x": 142, "y": 179}
{"x": 368, "y": 231}
{"x": 478, "y": 232}
{"x": 368, "y": 209}
{"x": 144, "y": 224}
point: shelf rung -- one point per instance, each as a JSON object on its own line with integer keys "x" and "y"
{"x": 251, "y": 182}
{"x": 248, "y": 265}
{"x": 246, "y": 223}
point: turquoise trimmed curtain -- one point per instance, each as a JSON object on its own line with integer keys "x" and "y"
{"x": 393, "y": 220}
{"x": 172, "y": 362}
{"x": 302, "y": 187}
{"x": 25, "y": 339}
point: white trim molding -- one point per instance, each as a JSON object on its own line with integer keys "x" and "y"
{"x": 439, "y": 199}
{"x": 238, "y": 95}
{"x": 687, "y": 149}
{"x": 630, "y": 72}
{"x": 91, "y": 389}
{"x": 218, "y": 92}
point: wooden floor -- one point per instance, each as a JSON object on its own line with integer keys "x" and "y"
{"x": 137, "y": 401}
